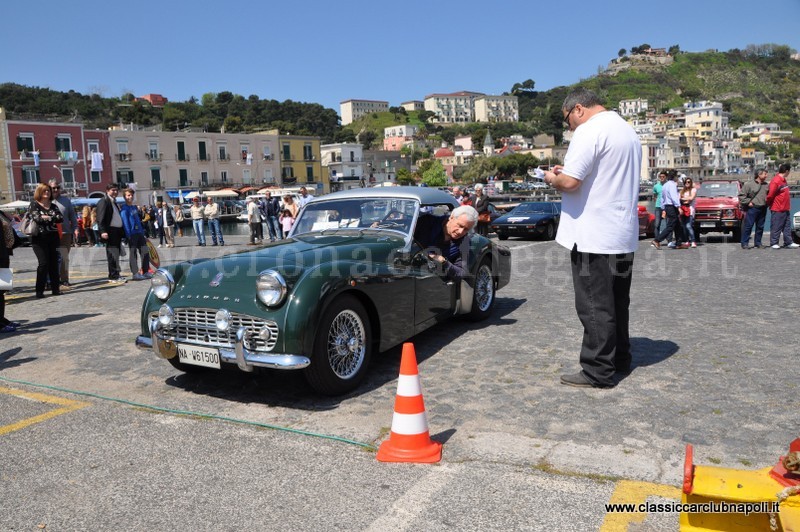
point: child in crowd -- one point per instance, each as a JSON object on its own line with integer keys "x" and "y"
{"x": 286, "y": 221}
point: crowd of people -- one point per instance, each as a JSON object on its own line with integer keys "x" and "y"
{"x": 675, "y": 210}
{"x": 480, "y": 202}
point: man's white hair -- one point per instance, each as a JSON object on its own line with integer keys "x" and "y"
{"x": 466, "y": 210}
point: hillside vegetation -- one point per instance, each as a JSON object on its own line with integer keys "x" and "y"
{"x": 761, "y": 82}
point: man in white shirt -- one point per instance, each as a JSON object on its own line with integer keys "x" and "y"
{"x": 599, "y": 183}
{"x": 304, "y": 198}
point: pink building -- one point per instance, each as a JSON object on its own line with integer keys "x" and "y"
{"x": 40, "y": 151}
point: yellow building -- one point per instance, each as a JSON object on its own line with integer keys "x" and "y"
{"x": 301, "y": 163}
{"x": 6, "y": 194}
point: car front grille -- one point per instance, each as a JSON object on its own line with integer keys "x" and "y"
{"x": 708, "y": 215}
{"x": 197, "y": 325}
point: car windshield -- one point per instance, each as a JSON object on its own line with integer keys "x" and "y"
{"x": 530, "y": 208}
{"x": 718, "y": 190}
{"x": 357, "y": 213}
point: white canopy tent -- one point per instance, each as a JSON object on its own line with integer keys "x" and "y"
{"x": 14, "y": 205}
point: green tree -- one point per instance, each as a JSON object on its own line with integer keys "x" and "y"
{"x": 424, "y": 116}
{"x": 621, "y": 52}
{"x": 367, "y": 138}
{"x": 404, "y": 176}
{"x": 435, "y": 176}
{"x": 479, "y": 169}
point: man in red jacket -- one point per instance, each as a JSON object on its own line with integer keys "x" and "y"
{"x": 778, "y": 200}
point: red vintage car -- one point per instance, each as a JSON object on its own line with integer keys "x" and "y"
{"x": 647, "y": 222}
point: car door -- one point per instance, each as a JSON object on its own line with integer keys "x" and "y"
{"x": 434, "y": 294}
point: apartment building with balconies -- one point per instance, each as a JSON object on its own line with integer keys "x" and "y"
{"x": 159, "y": 160}
{"x": 395, "y": 137}
{"x": 452, "y": 108}
{"x": 300, "y": 163}
{"x": 351, "y": 110}
{"x": 496, "y": 109}
{"x": 413, "y": 105}
{"x": 628, "y": 108}
{"x": 709, "y": 119}
{"x": 344, "y": 165}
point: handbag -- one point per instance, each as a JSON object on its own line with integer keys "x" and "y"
{"x": 6, "y": 279}
{"x": 484, "y": 217}
{"x": 8, "y": 234}
{"x": 686, "y": 210}
{"x": 29, "y": 225}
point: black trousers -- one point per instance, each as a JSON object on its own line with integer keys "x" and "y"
{"x": 45, "y": 247}
{"x": 673, "y": 224}
{"x": 113, "y": 247}
{"x": 602, "y": 298}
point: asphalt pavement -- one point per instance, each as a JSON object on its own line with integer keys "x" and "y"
{"x": 95, "y": 434}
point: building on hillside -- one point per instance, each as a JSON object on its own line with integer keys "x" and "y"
{"x": 413, "y": 105}
{"x": 709, "y": 119}
{"x": 447, "y": 157}
{"x": 542, "y": 140}
{"x": 488, "y": 144}
{"x": 351, "y": 110}
{"x": 753, "y": 159}
{"x": 762, "y": 132}
{"x": 463, "y": 143}
{"x": 395, "y": 137}
{"x": 345, "y": 165}
{"x": 35, "y": 152}
{"x": 452, "y": 108}
{"x": 164, "y": 162}
{"x": 382, "y": 166}
{"x": 156, "y": 100}
{"x": 496, "y": 109}
{"x": 300, "y": 161}
{"x": 632, "y": 107}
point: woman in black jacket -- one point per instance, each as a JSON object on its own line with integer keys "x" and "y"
{"x": 481, "y": 204}
{"x": 45, "y": 242}
{"x": 6, "y": 326}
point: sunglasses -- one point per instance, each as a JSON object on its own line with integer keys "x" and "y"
{"x": 566, "y": 118}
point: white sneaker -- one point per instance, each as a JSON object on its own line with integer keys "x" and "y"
{"x": 793, "y": 246}
{"x": 694, "y": 244}
{"x": 159, "y": 245}
{"x": 776, "y": 246}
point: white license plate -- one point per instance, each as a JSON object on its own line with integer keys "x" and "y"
{"x": 708, "y": 224}
{"x": 199, "y": 356}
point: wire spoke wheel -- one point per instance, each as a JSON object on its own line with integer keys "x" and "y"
{"x": 484, "y": 288}
{"x": 346, "y": 344}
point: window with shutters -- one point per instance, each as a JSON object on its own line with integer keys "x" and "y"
{"x": 25, "y": 142}
{"x": 182, "y": 151}
{"x": 124, "y": 176}
{"x": 155, "y": 177}
{"x": 30, "y": 175}
{"x": 310, "y": 173}
{"x": 183, "y": 176}
{"x": 95, "y": 177}
{"x": 63, "y": 143}
{"x": 204, "y": 178}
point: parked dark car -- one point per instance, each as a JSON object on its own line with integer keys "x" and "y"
{"x": 534, "y": 218}
{"x": 350, "y": 280}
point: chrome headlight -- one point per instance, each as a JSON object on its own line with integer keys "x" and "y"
{"x": 162, "y": 284}
{"x": 271, "y": 288}
{"x": 222, "y": 319}
{"x": 166, "y": 315}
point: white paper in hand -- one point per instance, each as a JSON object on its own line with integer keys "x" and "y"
{"x": 538, "y": 173}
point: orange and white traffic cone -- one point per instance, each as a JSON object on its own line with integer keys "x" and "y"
{"x": 410, "y": 440}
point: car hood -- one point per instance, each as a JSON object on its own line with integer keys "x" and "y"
{"x": 291, "y": 258}
{"x": 531, "y": 218}
{"x": 719, "y": 202}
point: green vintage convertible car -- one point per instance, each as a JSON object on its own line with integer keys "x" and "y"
{"x": 352, "y": 279}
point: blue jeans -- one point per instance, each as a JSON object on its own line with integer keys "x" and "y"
{"x": 755, "y": 216}
{"x": 198, "y": 230}
{"x": 274, "y": 228}
{"x": 215, "y": 231}
{"x": 688, "y": 228}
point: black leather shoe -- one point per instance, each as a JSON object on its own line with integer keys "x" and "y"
{"x": 579, "y": 380}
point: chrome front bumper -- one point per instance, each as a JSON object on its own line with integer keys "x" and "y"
{"x": 167, "y": 347}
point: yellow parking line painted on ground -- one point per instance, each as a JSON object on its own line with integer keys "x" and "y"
{"x": 630, "y": 491}
{"x": 67, "y": 405}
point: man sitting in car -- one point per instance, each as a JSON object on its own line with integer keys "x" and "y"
{"x": 445, "y": 239}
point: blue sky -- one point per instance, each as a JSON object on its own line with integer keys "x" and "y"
{"x": 328, "y": 51}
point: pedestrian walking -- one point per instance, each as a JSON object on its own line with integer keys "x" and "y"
{"x": 599, "y": 185}
{"x": 69, "y": 230}
{"x": 109, "y": 223}
{"x": 212, "y": 214}
{"x": 273, "y": 211}
{"x": 778, "y": 200}
{"x": 177, "y": 214}
{"x": 662, "y": 178}
{"x": 197, "y": 213}
{"x": 671, "y": 203}
{"x": 753, "y": 199}
{"x": 137, "y": 240}
{"x": 167, "y": 223}
{"x": 254, "y": 220}
{"x": 46, "y": 240}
